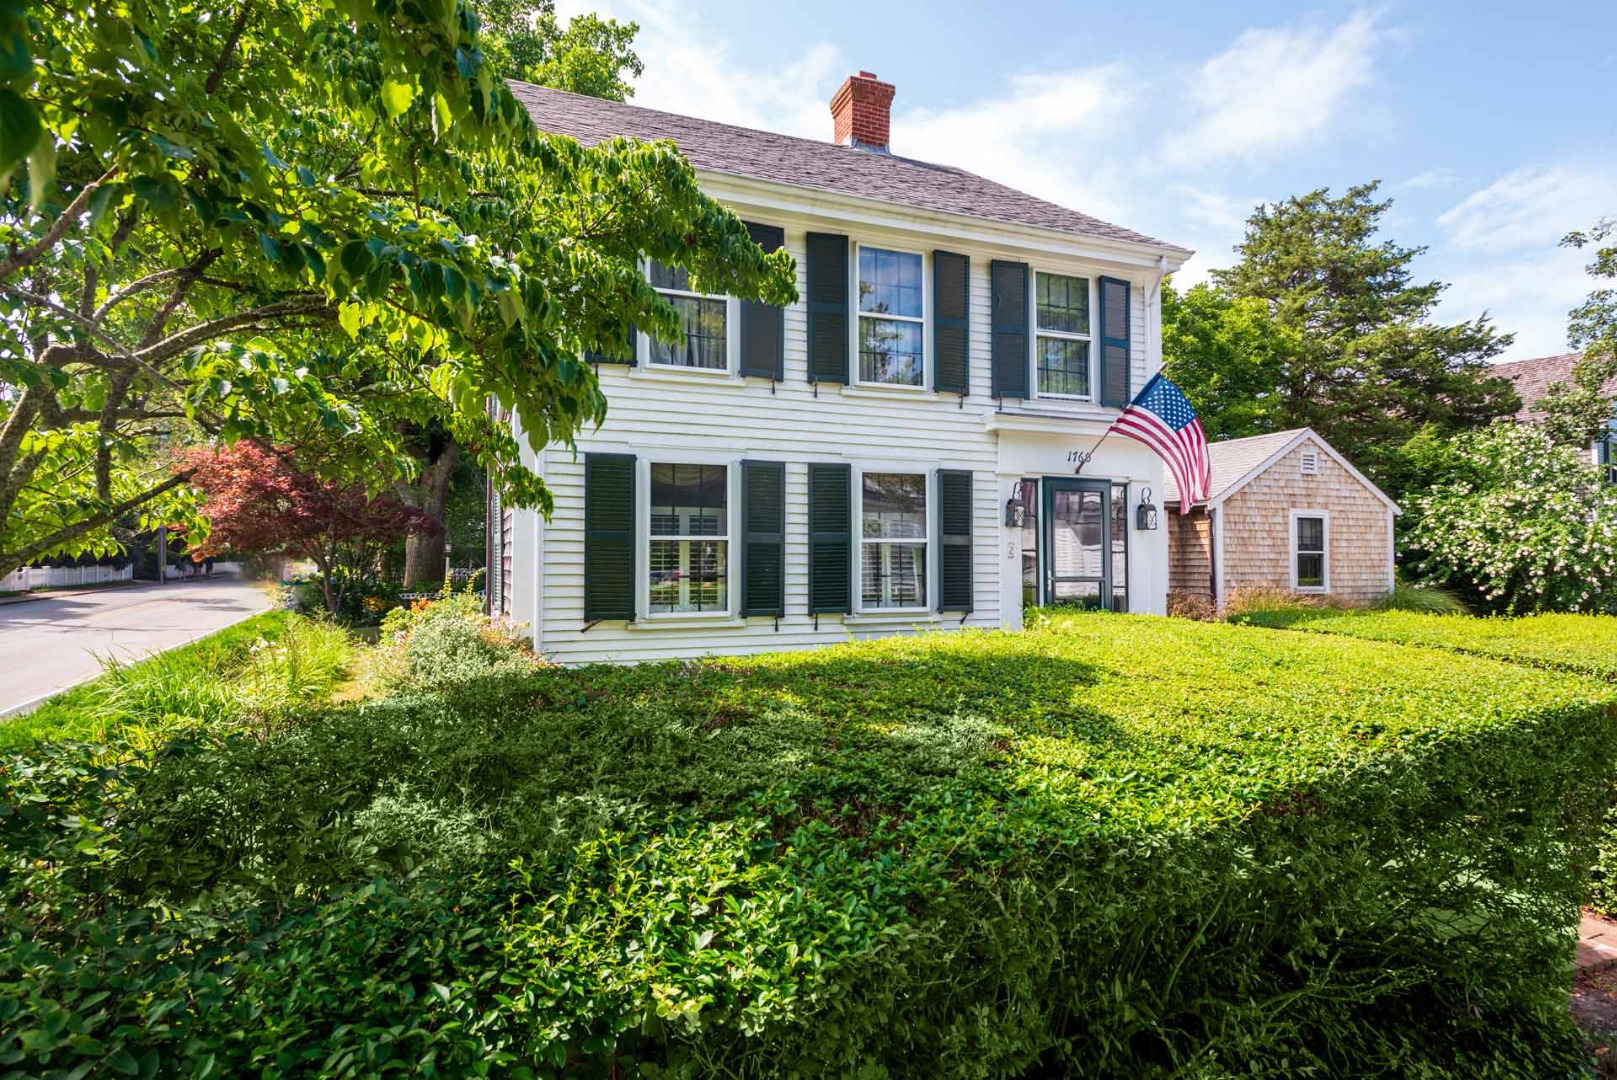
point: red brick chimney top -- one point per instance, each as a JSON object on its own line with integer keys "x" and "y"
{"x": 861, "y": 110}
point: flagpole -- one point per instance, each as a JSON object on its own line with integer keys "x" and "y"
{"x": 1090, "y": 456}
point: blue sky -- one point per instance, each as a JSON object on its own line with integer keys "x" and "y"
{"x": 1492, "y": 125}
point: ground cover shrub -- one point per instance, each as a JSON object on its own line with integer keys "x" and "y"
{"x": 447, "y": 642}
{"x": 1111, "y": 846}
{"x": 261, "y": 667}
{"x": 1583, "y": 644}
{"x": 1422, "y": 597}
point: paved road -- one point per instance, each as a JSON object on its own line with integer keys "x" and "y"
{"x": 51, "y": 643}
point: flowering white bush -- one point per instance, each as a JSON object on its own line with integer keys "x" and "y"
{"x": 1526, "y": 524}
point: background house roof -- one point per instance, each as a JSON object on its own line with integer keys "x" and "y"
{"x": 1533, "y": 379}
{"x": 1234, "y": 459}
{"x": 825, "y": 166}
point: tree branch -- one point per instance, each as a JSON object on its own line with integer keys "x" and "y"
{"x": 11, "y": 560}
{"x": 174, "y": 344}
{"x": 223, "y": 63}
{"x": 59, "y": 227}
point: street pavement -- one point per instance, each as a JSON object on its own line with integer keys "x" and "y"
{"x": 51, "y": 642}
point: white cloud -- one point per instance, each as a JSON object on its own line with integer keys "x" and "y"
{"x": 1530, "y": 208}
{"x": 1429, "y": 179}
{"x": 689, "y": 71}
{"x": 1275, "y": 90}
{"x": 1042, "y": 135}
{"x": 1502, "y": 244}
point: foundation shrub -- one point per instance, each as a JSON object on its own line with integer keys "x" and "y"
{"x": 1111, "y": 846}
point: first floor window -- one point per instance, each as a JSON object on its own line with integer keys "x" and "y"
{"x": 893, "y": 540}
{"x": 890, "y": 317}
{"x": 1310, "y": 549}
{"x": 703, "y": 318}
{"x": 1062, "y": 335}
{"x": 690, "y": 533}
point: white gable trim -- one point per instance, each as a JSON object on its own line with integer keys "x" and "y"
{"x": 1286, "y": 448}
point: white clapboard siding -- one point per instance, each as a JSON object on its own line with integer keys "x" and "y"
{"x": 659, "y": 412}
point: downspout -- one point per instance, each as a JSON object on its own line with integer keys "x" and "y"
{"x": 1156, "y": 296}
{"x": 1216, "y": 527}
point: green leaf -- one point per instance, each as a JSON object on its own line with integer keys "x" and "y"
{"x": 19, "y": 128}
{"x": 396, "y": 97}
{"x": 348, "y": 316}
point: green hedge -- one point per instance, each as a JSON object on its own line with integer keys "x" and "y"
{"x": 1585, "y": 644}
{"x": 1110, "y": 846}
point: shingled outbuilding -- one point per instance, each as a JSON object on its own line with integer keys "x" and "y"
{"x": 1284, "y": 511}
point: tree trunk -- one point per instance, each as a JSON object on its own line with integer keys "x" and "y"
{"x": 424, "y": 545}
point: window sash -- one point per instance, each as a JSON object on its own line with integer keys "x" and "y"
{"x": 893, "y": 542}
{"x": 1040, "y": 308}
{"x": 1045, "y": 371}
{"x": 1309, "y": 551}
{"x": 900, "y": 583}
{"x": 688, "y": 568}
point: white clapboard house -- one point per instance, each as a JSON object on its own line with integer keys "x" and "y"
{"x": 893, "y": 453}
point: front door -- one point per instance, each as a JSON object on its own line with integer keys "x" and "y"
{"x": 1078, "y": 543}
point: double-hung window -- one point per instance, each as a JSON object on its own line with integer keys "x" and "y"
{"x": 1061, "y": 340}
{"x": 689, "y": 558}
{"x": 704, "y": 319}
{"x": 892, "y": 546}
{"x": 1308, "y": 539}
{"x": 891, "y": 317}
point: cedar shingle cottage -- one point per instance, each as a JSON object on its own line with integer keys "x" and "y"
{"x": 1284, "y": 511}
{"x": 1534, "y": 378}
{"x": 790, "y": 477}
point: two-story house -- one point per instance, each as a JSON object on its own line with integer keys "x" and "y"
{"x": 896, "y": 451}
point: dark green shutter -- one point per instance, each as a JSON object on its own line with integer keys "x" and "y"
{"x": 830, "y": 495}
{"x": 954, "y": 540}
{"x": 951, "y": 315}
{"x": 827, "y": 257}
{"x": 1115, "y": 388}
{"x": 763, "y": 326}
{"x": 609, "y": 536}
{"x": 1008, "y": 341}
{"x": 763, "y": 536}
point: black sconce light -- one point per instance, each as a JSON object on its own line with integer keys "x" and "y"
{"x": 1016, "y": 507}
{"x": 1145, "y": 515}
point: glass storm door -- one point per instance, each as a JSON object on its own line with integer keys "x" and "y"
{"x": 1077, "y": 543}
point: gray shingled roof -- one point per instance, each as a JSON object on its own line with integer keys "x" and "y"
{"x": 1233, "y": 459}
{"x": 764, "y": 155}
{"x": 1533, "y": 379}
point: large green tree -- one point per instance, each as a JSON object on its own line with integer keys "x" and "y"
{"x": 1341, "y": 336}
{"x": 292, "y": 215}
{"x": 1579, "y": 411}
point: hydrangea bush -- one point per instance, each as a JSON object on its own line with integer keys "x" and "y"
{"x": 1523, "y": 526}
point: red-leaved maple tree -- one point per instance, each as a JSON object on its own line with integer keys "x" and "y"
{"x": 259, "y": 502}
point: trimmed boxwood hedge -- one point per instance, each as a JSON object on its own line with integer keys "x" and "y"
{"x": 1110, "y": 846}
{"x": 1585, "y": 644}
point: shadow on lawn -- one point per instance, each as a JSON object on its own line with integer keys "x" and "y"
{"x": 524, "y": 765}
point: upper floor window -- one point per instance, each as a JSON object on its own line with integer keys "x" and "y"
{"x": 689, "y": 546}
{"x": 704, "y": 319}
{"x": 1061, "y": 344}
{"x": 891, "y": 314}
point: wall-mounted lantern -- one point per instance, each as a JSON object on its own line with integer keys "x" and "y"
{"x": 1145, "y": 515}
{"x": 1016, "y": 507}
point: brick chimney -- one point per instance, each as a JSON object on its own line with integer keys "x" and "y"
{"x": 861, "y": 109}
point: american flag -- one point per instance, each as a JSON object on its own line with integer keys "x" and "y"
{"x": 1162, "y": 417}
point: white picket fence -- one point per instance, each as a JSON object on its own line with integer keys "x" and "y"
{"x": 58, "y": 577}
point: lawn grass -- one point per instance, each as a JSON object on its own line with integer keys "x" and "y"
{"x": 1582, "y": 644}
{"x": 273, "y": 660}
{"x": 1110, "y": 846}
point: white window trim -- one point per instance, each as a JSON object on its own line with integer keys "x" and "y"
{"x": 928, "y": 477}
{"x": 1308, "y": 462}
{"x": 1325, "y": 562}
{"x": 643, "y": 537}
{"x": 925, "y": 321}
{"x": 1033, "y": 338}
{"x": 732, "y": 339}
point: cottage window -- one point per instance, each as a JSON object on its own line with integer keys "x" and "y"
{"x": 893, "y": 531}
{"x": 704, "y": 319}
{"x": 1061, "y": 346}
{"x": 1309, "y": 534}
{"x": 891, "y": 317}
{"x": 688, "y": 561}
